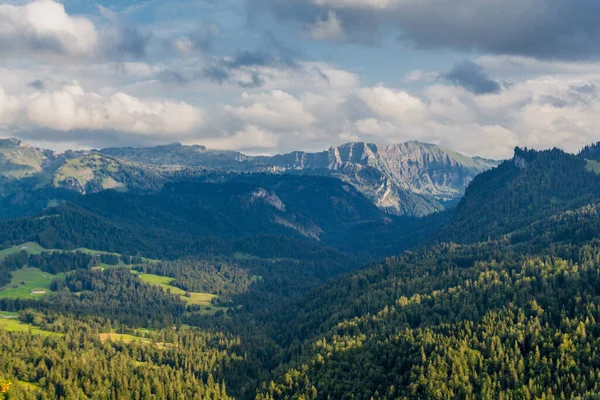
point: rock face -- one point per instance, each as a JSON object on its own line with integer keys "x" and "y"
{"x": 411, "y": 178}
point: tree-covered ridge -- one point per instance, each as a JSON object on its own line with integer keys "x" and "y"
{"x": 530, "y": 187}
{"x": 216, "y": 216}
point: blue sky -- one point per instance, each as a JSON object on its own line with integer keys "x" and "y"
{"x": 269, "y": 76}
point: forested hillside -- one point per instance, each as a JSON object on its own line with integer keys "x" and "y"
{"x": 203, "y": 291}
{"x": 202, "y": 216}
{"x": 512, "y": 316}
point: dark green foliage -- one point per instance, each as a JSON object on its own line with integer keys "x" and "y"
{"x": 591, "y": 152}
{"x": 114, "y": 293}
{"x": 57, "y": 262}
{"x": 220, "y": 278}
{"x": 440, "y": 325}
{"x": 530, "y": 187}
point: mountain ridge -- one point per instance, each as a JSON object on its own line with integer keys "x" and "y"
{"x": 411, "y": 178}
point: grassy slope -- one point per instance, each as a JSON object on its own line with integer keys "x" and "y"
{"x": 202, "y": 299}
{"x": 31, "y": 248}
{"x": 592, "y": 166}
{"x": 9, "y": 322}
{"x": 121, "y": 337}
{"x": 26, "y": 279}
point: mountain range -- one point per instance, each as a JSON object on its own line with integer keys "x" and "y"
{"x": 496, "y": 297}
{"x": 412, "y": 179}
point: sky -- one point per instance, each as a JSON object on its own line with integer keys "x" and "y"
{"x": 271, "y": 76}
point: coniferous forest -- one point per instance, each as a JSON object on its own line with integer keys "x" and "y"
{"x": 212, "y": 289}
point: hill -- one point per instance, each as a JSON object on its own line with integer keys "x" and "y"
{"x": 530, "y": 187}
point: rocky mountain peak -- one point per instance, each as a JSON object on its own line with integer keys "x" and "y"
{"x": 10, "y": 143}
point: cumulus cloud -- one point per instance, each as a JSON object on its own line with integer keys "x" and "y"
{"x": 250, "y": 139}
{"x": 9, "y": 108}
{"x": 546, "y": 29}
{"x": 276, "y": 111}
{"x": 473, "y": 78}
{"x": 72, "y": 108}
{"x": 540, "y": 113}
{"x": 43, "y": 27}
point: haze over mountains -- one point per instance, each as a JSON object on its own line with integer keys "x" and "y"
{"x": 413, "y": 178}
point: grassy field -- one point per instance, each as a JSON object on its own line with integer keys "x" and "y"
{"x": 121, "y": 337}
{"x": 26, "y": 279}
{"x": 14, "y": 325}
{"x": 31, "y": 248}
{"x": 201, "y": 299}
{"x": 592, "y": 166}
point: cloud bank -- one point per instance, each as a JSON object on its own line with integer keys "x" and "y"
{"x": 546, "y": 29}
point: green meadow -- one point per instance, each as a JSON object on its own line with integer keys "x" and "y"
{"x": 201, "y": 299}
{"x": 592, "y": 166}
{"x": 26, "y": 279}
{"x": 10, "y": 323}
{"x": 31, "y": 248}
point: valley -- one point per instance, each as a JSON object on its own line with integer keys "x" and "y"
{"x": 286, "y": 286}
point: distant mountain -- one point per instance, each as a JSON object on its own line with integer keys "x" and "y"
{"x": 18, "y": 160}
{"x": 404, "y": 179}
{"x": 178, "y": 155}
{"x": 412, "y": 179}
{"x": 32, "y": 179}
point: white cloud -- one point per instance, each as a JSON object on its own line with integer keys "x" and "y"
{"x": 387, "y": 103}
{"x": 43, "y": 27}
{"x": 539, "y": 113}
{"x": 251, "y": 139}
{"x": 309, "y": 106}
{"x": 70, "y": 108}
{"x": 328, "y": 29}
{"x": 275, "y": 110}
{"x": 9, "y": 108}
